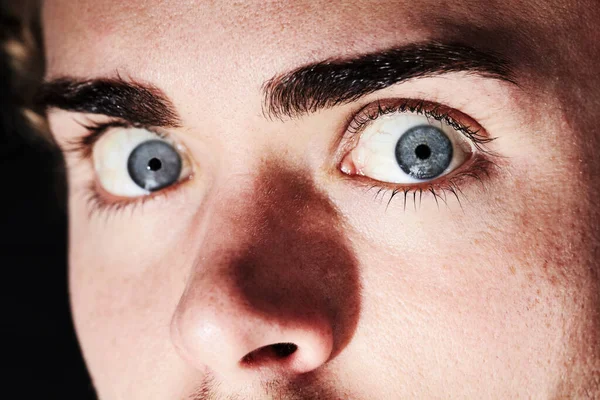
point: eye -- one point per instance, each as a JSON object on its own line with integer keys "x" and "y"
{"x": 133, "y": 162}
{"x": 406, "y": 147}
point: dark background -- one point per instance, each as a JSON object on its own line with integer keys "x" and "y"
{"x": 41, "y": 357}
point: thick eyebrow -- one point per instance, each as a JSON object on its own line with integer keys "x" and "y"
{"x": 305, "y": 90}
{"x": 339, "y": 81}
{"x": 134, "y": 102}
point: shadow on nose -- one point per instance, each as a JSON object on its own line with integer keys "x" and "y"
{"x": 298, "y": 263}
{"x": 278, "y": 286}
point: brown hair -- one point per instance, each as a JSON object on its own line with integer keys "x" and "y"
{"x": 21, "y": 68}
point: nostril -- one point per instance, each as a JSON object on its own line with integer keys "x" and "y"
{"x": 283, "y": 350}
{"x": 271, "y": 353}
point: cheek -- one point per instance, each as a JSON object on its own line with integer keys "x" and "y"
{"x": 449, "y": 312}
{"x": 498, "y": 289}
{"x": 122, "y": 305}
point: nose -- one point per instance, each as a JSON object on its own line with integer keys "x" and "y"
{"x": 219, "y": 330}
{"x": 275, "y": 288}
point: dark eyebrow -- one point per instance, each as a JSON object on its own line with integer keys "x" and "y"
{"x": 339, "y": 81}
{"x": 305, "y": 90}
{"x": 134, "y": 102}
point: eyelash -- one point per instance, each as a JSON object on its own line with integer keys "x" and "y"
{"x": 83, "y": 147}
{"x": 479, "y": 169}
{"x": 431, "y": 110}
{"x": 97, "y": 204}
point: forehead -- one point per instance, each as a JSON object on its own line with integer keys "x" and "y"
{"x": 176, "y": 35}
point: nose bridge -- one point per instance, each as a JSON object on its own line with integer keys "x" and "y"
{"x": 296, "y": 256}
{"x": 275, "y": 268}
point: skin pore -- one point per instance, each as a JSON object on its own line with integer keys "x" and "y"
{"x": 267, "y": 271}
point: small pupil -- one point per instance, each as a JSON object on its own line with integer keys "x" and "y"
{"x": 423, "y": 151}
{"x": 154, "y": 164}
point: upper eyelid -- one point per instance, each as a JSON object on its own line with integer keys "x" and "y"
{"x": 83, "y": 146}
{"x": 429, "y": 109}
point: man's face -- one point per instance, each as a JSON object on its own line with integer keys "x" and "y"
{"x": 243, "y": 227}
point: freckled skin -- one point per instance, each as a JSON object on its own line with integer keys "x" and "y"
{"x": 269, "y": 243}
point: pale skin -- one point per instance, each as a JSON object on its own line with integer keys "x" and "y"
{"x": 273, "y": 238}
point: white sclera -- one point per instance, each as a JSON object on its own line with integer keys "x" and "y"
{"x": 111, "y": 153}
{"x": 375, "y": 154}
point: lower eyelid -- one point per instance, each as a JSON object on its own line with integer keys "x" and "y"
{"x": 476, "y": 172}
{"x": 99, "y": 201}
